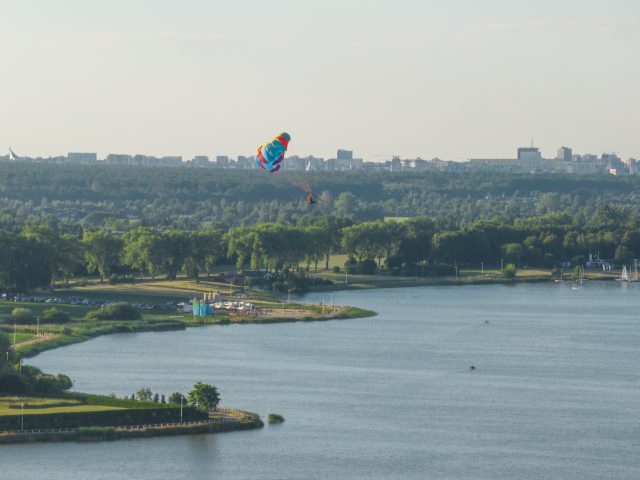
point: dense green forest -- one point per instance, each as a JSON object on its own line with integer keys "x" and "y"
{"x": 73, "y": 197}
{"x": 37, "y": 256}
{"x": 61, "y": 221}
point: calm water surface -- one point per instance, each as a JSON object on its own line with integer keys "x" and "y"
{"x": 555, "y": 394}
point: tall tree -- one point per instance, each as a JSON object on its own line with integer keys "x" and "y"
{"x": 102, "y": 251}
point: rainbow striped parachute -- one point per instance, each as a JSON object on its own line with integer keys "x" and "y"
{"x": 270, "y": 155}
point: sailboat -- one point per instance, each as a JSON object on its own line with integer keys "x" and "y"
{"x": 580, "y": 280}
{"x": 630, "y": 277}
{"x": 624, "y": 276}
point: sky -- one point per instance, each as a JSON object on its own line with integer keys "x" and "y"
{"x": 453, "y": 79}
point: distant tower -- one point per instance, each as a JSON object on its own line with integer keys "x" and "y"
{"x": 565, "y": 154}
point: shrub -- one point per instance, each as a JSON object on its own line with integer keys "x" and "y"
{"x": 11, "y": 382}
{"x": 23, "y": 316}
{"x": 53, "y": 315}
{"x": 50, "y": 383}
{"x": 116, "y": 279}
{"x": 274, "y": 418}
{"x": 365, "y": 267}
{"x": 510, "y": 271}
{"x": 437, "y": 270}
{"x": 117, "y": 311}
{"x": 336, "y": 269}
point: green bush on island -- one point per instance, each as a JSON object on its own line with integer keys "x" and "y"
{"x": 54, "y": 315}
{"x": 274, "y": 419}
{"x": 116, "y": 311}
{"x": 23, "y": 316}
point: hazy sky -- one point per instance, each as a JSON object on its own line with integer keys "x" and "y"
{"x": 447, "y": 78}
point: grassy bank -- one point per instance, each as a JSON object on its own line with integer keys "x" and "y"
{"x": 79, "y": 328}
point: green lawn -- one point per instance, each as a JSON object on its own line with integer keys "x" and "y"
{"x": 21, "y": 337}
{"x": 12, "y": 405}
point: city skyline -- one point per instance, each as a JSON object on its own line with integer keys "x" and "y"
{"x": 381, "y": 158}
{"x": 416, "y": 78}
{"x": 527, "y": 160}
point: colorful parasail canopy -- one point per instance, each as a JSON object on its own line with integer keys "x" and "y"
{"x": 270, "y": 155}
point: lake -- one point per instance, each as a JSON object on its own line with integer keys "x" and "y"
{"x": 555, "y": 392}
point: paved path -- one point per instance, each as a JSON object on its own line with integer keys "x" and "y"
{"x": 41, "y": 338}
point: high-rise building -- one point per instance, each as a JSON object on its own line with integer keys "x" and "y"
{"x": 200, "y": 161}
{"x": 82, "y": 158}
{"x": 345, "y": 155}
{"x": 529, "y": 154}
{"x": 119, "y": 159}
{"x": 565, "y": 154}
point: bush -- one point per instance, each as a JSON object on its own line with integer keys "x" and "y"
{"x": 510, "y": 271}
{"x": 11, "y": 382}
{"x": 336, "y": 269}
{"x": 50, "y": 383}
{"x": 365, "y": 267}
{"x": 53, "y": 315}
{"x": 437, "y": 270}
{"x": 274, "y": 418}
{"x": 23, "y": 316}
{"x": 117, "y": 311}
{"x": 116, "y": 279}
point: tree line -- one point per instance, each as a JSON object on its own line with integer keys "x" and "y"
{"x": 76, "y": 197}
{"x": 38, "y": 256}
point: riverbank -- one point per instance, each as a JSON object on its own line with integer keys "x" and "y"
{"x": 45, "y": 337}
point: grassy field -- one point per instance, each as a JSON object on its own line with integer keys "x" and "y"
{"x": 12, "y": 405}
{"x": 21, "y": 337}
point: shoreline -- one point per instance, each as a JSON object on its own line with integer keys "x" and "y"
{"x": 133, "y": 326}
{"x": 243, "y": 421}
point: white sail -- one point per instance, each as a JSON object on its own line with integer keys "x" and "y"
{"x": 625, "y": 274}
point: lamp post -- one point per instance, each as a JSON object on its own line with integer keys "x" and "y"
{"x": 181, "y": 400}
{"x": 22, "y": 419}
{"x": 20, "y": 367}
{"x": 38, "y": 327}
